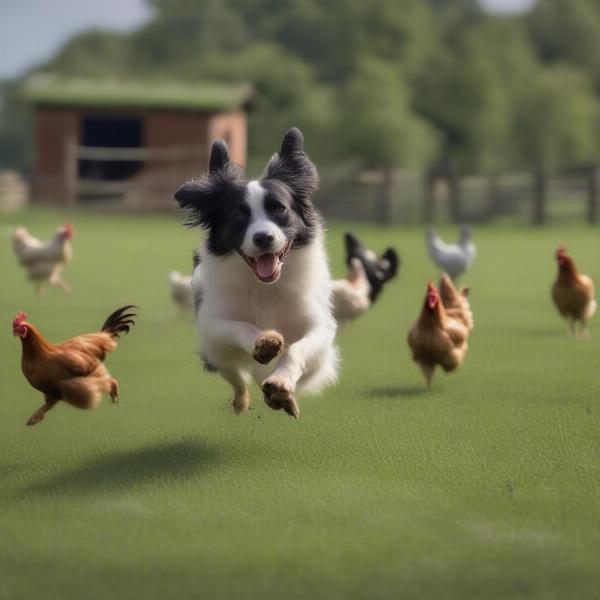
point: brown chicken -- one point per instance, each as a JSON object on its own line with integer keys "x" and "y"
{"x": 73, "y": 370}
{"x": 456, "y": 302}
{"x": 572, "y": 292}
{"x": 436, "y": 338}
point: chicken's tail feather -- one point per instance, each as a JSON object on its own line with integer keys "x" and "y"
{"x": 120, "y": 321}
{"x": 394, "y": 262}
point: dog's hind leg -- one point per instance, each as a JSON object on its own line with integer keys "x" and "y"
{"x": 241, "y": 397}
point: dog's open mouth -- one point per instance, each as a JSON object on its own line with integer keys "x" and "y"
{"x": 267, "y": 267}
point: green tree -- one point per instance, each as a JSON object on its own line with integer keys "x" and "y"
{"x": 94, "y": 53}
{"x": 568, "y": 31}
{"x": 558, "y": 121}
{"x": 186, "y": 29}
{"x": 287, "y": 94}
{"x": 377, "y": 124}
{"x": 333, "y": 36}
{"x": 15, "y": 128}
{"x": 470, "y": 93}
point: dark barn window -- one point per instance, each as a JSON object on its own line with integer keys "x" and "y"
{"x": 103, "y": 132}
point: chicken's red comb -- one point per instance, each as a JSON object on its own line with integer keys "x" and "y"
{"x": 431, "y": 287}
{"x": 19, "y": 318}
{"x": 68, "y": 228}
{"x": 561, "y": 250}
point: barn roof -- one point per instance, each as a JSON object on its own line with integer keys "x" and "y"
{"x": 47, "y": 90}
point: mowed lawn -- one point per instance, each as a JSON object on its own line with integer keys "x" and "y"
{"x": 486, "y": 487}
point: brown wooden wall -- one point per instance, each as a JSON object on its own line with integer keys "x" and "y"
{"x": 57, "y": 134}
{"x": 54, "y": 132}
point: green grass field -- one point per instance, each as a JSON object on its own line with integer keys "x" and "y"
{"x": 487, "y": 487}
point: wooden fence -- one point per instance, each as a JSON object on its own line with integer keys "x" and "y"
{"x": 397, "y": 196}
{"x": 385, "y": 196}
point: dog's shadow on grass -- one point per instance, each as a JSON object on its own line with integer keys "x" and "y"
{"x": 399, "y": 391}
{"x": 166, "y": 461}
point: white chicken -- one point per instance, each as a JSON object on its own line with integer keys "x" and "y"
{"x": 454, "y": 259}
{"x": 44, "y": 261}
{"x": 351, "y": 295}
{"x": 181, "y": 290}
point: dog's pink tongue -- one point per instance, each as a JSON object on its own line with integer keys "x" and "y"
{"x": 266, "y": 265}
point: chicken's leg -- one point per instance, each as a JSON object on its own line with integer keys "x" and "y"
{"x": 584, "y": 333}
{"x": 428, "y": 372}
{"x": 39, "y": 414}
{"x": 114, "y": 391}
{"x": 64, "y": 286}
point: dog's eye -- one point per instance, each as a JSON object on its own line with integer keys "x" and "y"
{"x": 279, "y": 209}
{"x": 239, "y": 215}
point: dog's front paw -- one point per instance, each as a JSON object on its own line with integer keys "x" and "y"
{"x": 268, "y": 345}
{"x": 279, "y": 394}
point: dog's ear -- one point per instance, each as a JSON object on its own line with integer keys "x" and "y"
{"x": 219, "y": 156}
{"x": 293, "y": 142}
{"x": 292, "y": 166}
{"x": 200, "y": 197}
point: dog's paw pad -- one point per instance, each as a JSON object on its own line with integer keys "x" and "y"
{"x": 278, "y": 395}
{"x": 268, "y": 345}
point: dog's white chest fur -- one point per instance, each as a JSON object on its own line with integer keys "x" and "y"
{"x": 298, "y": 302}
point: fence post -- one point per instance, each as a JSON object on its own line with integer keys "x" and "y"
{"x": 539, "y": 197}
{"x": 70, "y": 172}
{"x": 386, "y": 198}
{"x": 427, "y": 214}
{"x": 454, "y": 199}
{"x": 593, "y": 194}
{"x": 493, "y": 193}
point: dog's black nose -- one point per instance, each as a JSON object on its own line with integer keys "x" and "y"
{"x": 263, "y": 240}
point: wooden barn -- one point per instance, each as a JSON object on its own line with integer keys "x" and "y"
{"x": 128, "y": 144}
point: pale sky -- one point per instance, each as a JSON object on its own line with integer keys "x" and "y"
{"x": 507, "y": 6}
{"x": 32, "y": 30}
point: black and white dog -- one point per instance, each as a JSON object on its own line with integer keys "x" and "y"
{"x": 265, "y": 309}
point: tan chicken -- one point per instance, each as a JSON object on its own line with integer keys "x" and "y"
{"x": 44, "y": 261}
{"x": 351, "y": 295}
{"x": 456, "y": 302}
{"x": 74, "y": 370}
{"x": 437, "y": 339}
{"x": 573, "y": 293}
